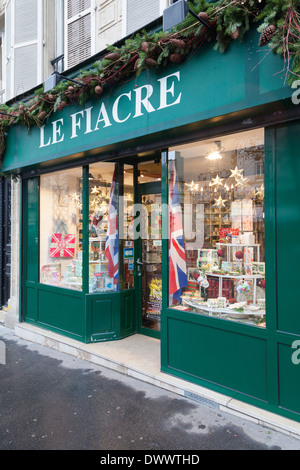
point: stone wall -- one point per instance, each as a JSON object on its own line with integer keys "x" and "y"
{"x": 12, "y": 314}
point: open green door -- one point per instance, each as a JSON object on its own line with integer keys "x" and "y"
{"x": 150, "y": 260}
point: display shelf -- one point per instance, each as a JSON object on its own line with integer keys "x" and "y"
{"x": 242, "y": 277}
{"x": 240, "y": 245}
{"x": 226, "y": 311}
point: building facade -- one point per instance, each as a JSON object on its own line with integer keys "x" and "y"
{"x": 167, "y": 207}
{"x": 53, "y": 35}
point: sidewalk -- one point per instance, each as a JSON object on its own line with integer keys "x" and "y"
{"x": 138, "y": 356}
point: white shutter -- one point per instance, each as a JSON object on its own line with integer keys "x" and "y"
{"x": 8, "y": 52}
{"x": 80, "y": 31}
{"x": 138, "y": 13}
{"x": 24, "y": 67}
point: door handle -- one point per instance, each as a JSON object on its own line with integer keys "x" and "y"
{"x": 139, "y": 264}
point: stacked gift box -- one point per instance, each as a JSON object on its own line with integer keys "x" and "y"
{"x": 227, "y": 288}
{"x": 213, "y": 289}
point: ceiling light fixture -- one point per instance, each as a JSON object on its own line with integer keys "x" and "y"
{"x": 216, "y": 155}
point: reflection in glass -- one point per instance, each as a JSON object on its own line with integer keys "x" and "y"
{"x": 111, "y": 251}
{"x": 151, "y": 262}
{"x": 221, "y": 194}
{"x": 61, "y": 229}
{"x": 103, "y": 228}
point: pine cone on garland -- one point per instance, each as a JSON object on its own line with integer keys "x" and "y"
{"x": 178, "y": 43}
{"x": 175, "y": 58}
{"x": 145, "y": 47}
{"x": 266, "y": 35}
{"x": 236, "y": 34}
{"x": 112, "y": 56}
{"x": 150, "y": 62}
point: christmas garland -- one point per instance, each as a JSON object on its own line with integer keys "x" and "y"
{"x": 230, "y": 20}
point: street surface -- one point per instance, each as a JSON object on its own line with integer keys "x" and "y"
{"x": 53, "y": 401}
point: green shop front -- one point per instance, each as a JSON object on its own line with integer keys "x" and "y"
{"x": 169, "y": 207}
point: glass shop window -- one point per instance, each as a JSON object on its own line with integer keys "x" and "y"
{"x": 111, "y": 250}
{"x": 216, "y": 228}
{"x": 61, "y": 229}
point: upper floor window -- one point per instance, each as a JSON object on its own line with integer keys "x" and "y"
{"x": 2, "y": 82}
{"x": 79, "y": 31}
{"x": 138, "y": 13}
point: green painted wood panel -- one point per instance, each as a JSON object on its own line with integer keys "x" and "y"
{"x": 128, "y": 313}
{"x": 61, "y": 310}
{"x": 233, "y": 360}
{"x": 288, "y": 226}
{"x": 30, "y": 302}
{"x": 31, "y": 228}
{"x": 289, "y": 377}
{"x": 103, "y": 316}
{"x": 30, "y": 248}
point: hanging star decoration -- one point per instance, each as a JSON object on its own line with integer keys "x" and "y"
{"x": 242, "y": 181}
{"x": 193, "y": 186}
{"x": 94, "y": 203}
{"x": 95, "y": 190}
{"x": 217, "y": 181}
{"x": 236, "y": 173}
{"x": 220, "y": 202}
{"x": 75, "y": 197}
{"x": 239, "y": 177}
{"x": 260, "y": 192}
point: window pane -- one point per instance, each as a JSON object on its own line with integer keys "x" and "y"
{"x": 103, "y": 227}
{"x": 217, "y": 238}
{"x": 127, "y": 237}
{"x": 61, "y": 229}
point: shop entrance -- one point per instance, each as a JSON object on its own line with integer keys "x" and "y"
{"x": 149, "y": 260}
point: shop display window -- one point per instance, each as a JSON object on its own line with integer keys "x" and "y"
{"x": 216, "y": 227}
{"x": 61, "y": 229}
{"x": 111, "y": 254}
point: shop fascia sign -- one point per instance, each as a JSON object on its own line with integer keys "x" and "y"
{"x": 127, "y": 106}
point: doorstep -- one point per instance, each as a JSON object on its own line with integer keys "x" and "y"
{"x": 138, "y": 356}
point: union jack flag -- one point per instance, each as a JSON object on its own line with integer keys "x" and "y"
{"x": 112, "y": 238}
{"x": 177, "y": 261}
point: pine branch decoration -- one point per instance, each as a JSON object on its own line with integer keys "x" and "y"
{"x": 231, "y": 20}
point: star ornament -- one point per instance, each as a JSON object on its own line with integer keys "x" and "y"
{"x": 236, "y": 173}
{"x": 76, "y": 197}
{"x": 95, "y": 190}
{"x": 94, "y": 203}
{"x": 217, "y": 181}
{"x": 220, "y": 202}
{"x": 193, "y": 186}
{"x": 260, "y": 191}
{"x": 242, "y": 181}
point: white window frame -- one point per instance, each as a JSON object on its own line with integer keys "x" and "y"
{"x": 59, "y": 43}
{"x": 3, "y": 66}
{"x": 38, "y": 41}
{"x": 92, "y": 11}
